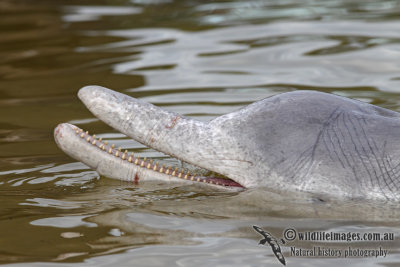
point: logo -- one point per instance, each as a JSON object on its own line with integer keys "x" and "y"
{"x": 273, "y": 242}
{"x": 340, "y": 249}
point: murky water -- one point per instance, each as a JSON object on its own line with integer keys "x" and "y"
{"x": 201, "y": 59}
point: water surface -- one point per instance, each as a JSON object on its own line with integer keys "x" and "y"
{"x": 198, "y": 58}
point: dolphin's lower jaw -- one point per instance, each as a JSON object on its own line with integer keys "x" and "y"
{"x": 115, "y": 163}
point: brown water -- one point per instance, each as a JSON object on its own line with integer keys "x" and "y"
{"x": 198, "y": 58}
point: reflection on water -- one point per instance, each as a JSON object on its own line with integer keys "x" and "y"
{"x": 250, "y": 56}
{"x": 198, "y": 58}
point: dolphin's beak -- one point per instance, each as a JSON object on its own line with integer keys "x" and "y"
{"x": 183, "y": 138}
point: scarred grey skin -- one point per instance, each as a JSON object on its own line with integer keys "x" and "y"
{"x": 297, "y": 141}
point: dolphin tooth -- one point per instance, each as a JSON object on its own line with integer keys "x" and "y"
{"x": 162, "y": 168}
{"x": 174, "y": 172}
{"x": 143, "y": 162}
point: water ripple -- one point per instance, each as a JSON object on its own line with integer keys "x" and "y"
{"x": 198, "y": 58}
{"x": 335, "y": 53}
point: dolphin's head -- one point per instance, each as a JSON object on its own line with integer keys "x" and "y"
{"x": 195, "y": 142}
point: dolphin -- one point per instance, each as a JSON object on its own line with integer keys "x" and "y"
{"x": 300, "y": 141}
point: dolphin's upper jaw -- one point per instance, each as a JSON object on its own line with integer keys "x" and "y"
{"x": 110, "y": 161}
